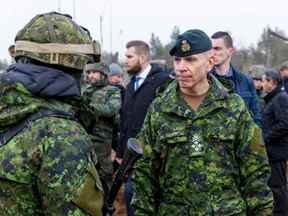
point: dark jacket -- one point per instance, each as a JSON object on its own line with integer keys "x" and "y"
{"x": 136, "y": 103}
{"x": 243, "y": 85}
{"x": 275, "y": 124}
{"x": 285, "y": 83}
{"x": 43, "y": 81}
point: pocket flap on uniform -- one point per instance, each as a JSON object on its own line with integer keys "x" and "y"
{"x": 174, "y": 137}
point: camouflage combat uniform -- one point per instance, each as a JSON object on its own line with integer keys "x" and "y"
{"x": 208, "y": 162}
{"x": 105, "y": 101}
{"x": 47, "y": 161}
{"x": 46, "y": 168}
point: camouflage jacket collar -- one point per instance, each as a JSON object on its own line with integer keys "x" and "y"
{"x": 17, "y": 103}
{"x": 98, "y": 84}
{"x": 172, "y": 102}
{"x": 92, "y": 87}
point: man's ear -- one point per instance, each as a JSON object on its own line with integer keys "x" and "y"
{"x": 232, "y": 50}
{"x": 211, "y": 61}
{"x": 142, "y": 59}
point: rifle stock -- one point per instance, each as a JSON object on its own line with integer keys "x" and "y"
{"x": 132, "y": 154}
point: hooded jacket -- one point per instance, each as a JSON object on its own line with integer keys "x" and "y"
{"x": 47, "y": 165}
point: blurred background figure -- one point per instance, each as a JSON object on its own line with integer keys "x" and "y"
{"x": 11, "y": 51}
{"x": 115, "y": 76}
{"x": 284, "y": 74}
{"x": 256, "y": 72}
{"x": 275, "y": 132}
{"x": 105, "y": 101}
{"x": 258, "y": 84}
{"x": 223, "y": 50}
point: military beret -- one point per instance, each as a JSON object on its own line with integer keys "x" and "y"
{"x": 101, "y": 67}
{"x": 191, "y": 42}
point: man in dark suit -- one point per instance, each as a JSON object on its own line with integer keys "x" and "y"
{"x": 146, "y": 80}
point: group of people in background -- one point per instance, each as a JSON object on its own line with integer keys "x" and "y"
{"x": 215, "y": 140}
{"x": 271, "y": 87}
{"x": 149, "y": 81}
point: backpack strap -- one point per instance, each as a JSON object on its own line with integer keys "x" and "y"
{"x": 7, "y": 135}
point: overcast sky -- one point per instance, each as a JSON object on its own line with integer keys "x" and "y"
{"x": 135, "y": 19}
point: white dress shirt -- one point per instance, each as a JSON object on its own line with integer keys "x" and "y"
{"x": 143, "y": 74}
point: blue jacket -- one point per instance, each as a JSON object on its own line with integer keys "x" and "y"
{"x": 244, "y": 86}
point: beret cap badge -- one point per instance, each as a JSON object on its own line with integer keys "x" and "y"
{"x": 191, "y": 42}
{"x": 185, "y": 46}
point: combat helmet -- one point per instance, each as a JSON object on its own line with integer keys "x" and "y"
{"x": 256, "y": 71}
{"x": 100, "y": 67}
{"x": 55, "y": 39}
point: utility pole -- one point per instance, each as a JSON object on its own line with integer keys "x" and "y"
{"x": 268, "y": 62}
{"x": 120, "y": 47}
{"x": 101, "y": 29}
{"x": 59, "y": 6}
{"x": 111, "y": 32}
{"x": 74, "y": 9}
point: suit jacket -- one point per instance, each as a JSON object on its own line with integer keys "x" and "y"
{"x": 136, "y": 103}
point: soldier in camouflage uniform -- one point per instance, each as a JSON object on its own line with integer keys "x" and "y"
{"x": 203, "y": 153}
{"x": 46, "y": 159}
{"x": 105, "y": 101}
{"x": 256, "y": 72}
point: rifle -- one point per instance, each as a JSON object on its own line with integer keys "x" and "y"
{"x": 132, "y": 154}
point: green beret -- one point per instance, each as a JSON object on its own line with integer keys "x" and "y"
{"x": 191, "y": 42}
